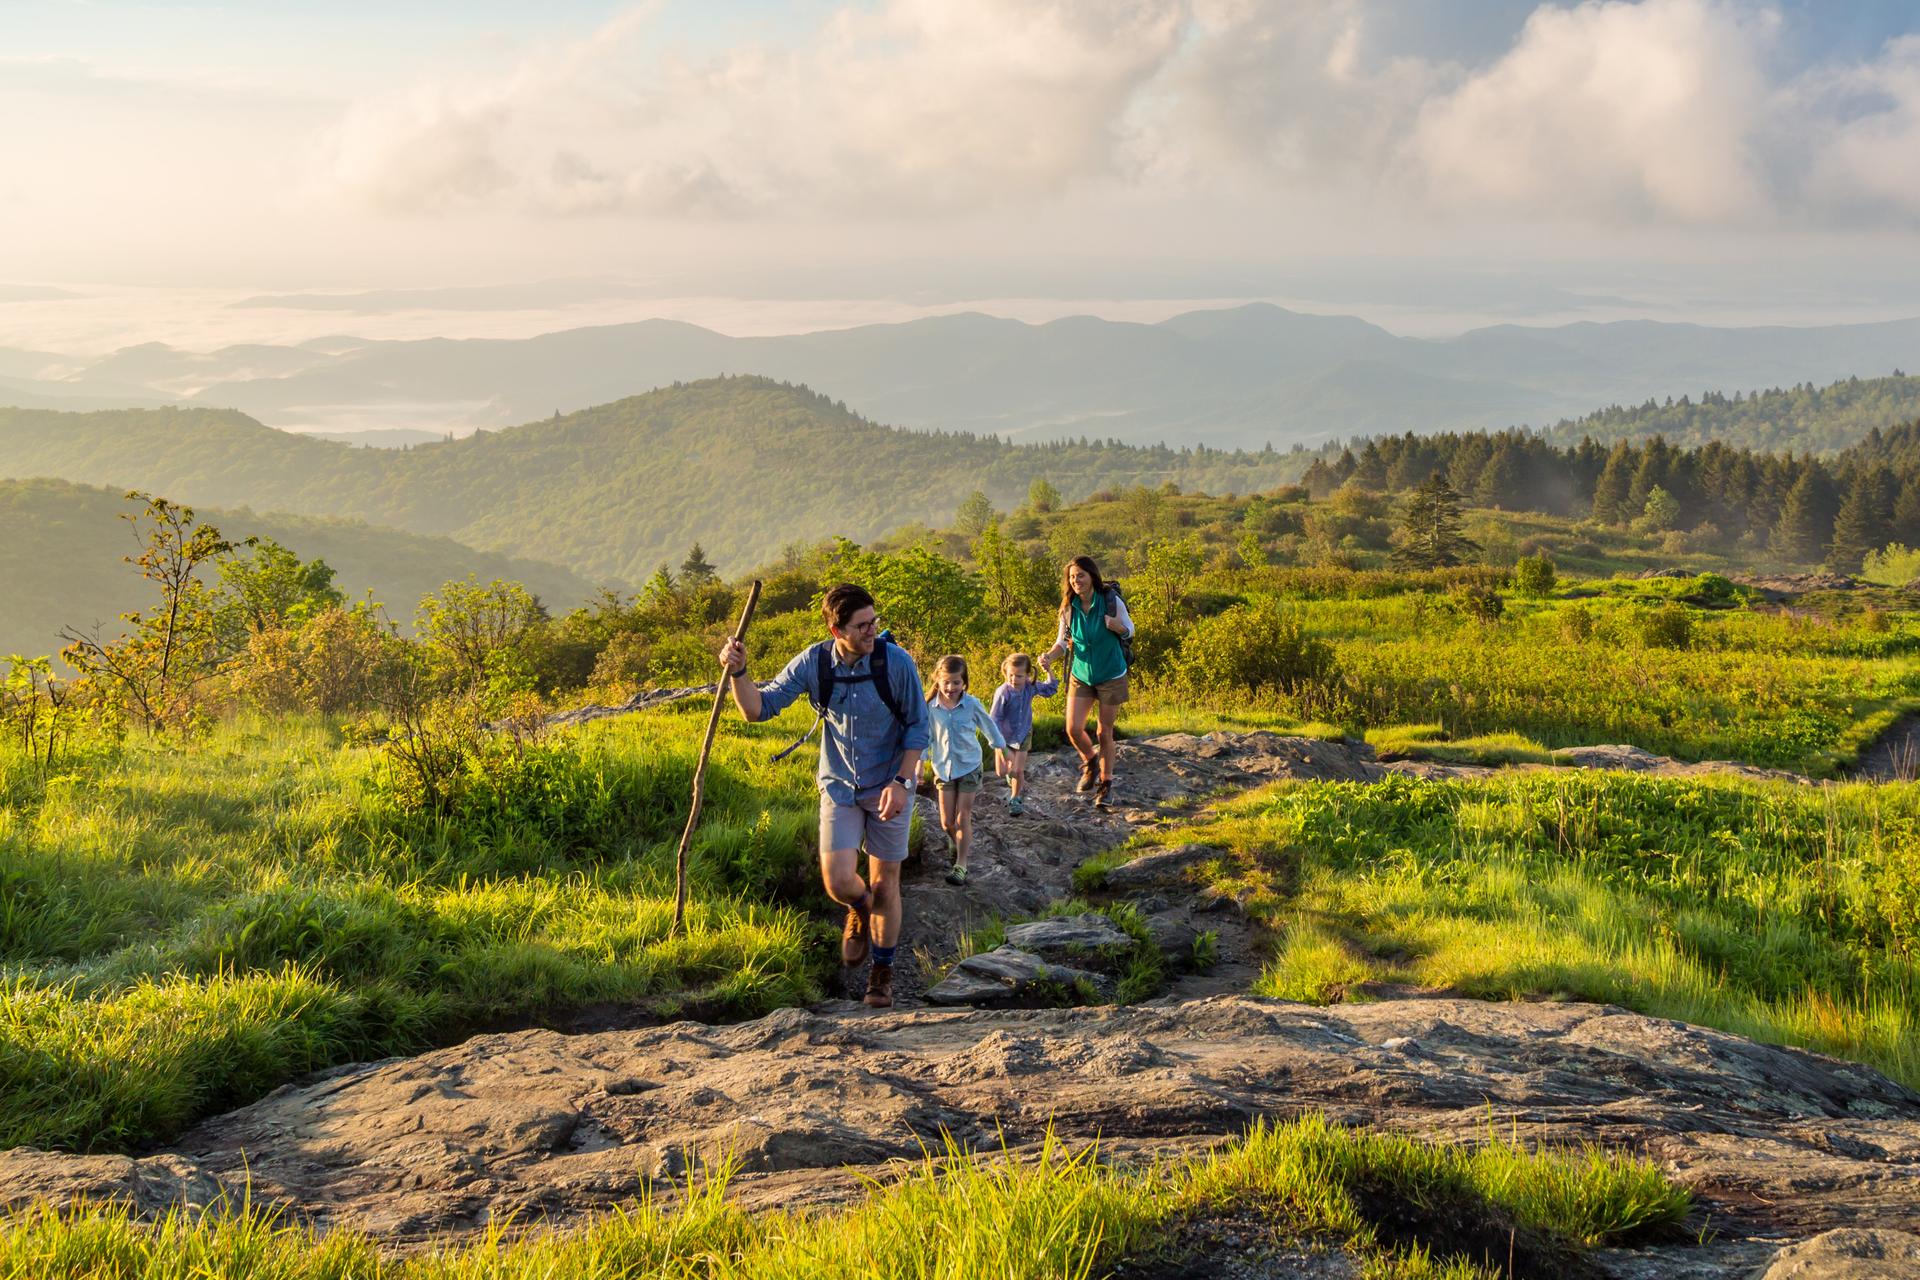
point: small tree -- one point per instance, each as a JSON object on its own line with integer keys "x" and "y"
{"x": 1430, "y": 534}
{"x": 1042, "y": 496}
{"x": 1534, "y": 576}
{"x": 177, "y": 644}
{"x": 271, "y": 588}
{"x": 470, "y": 631}
{"x": 974, "y": 515}
{"x": 1661, "y": 512}
{"x": 695, "y": 572}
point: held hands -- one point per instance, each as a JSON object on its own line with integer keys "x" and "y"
{"x": 1000, "y": 764}
{"x": 733, "y": 656}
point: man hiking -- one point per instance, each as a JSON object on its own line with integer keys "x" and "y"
{"x": 873, "y": 729}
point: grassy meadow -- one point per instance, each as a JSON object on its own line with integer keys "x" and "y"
{"x": 1786, "y": 913}
{"x": 185, "y": 929}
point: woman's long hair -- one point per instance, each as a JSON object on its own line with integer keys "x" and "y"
{"x": 1067, "y": 596}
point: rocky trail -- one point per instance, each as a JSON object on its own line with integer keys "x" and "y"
{"x": 1783, "y": 1148}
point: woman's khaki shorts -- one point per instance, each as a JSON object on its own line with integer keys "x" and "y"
{"x": 1108, "y": 693}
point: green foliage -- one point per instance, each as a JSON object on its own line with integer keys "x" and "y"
{"x": 1534, "y": 576}
{"x": 1894, "y": 565}
{"x": 471, "y": 631}
{"x": 1670, "y": 626}
{"x": 1757, "y": 908}
{"x": 154, "y": 670}
{"x": 1252, "y": 650}
{"x": 1483, "y": 604}
{"x": 266, "y": 587}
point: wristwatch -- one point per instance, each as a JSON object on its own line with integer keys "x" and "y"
{"x": 901, "y": 778}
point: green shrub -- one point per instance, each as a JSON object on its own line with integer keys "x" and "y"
{"x": 1482, "y": 604}
{"x": 1252, "y": 648}
{"x": 1534, "y": 575}
{"x": 1668, "y": 627}
{"x": 1576, "y": 624}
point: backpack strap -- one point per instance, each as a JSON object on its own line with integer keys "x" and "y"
{"x": 825, "y": 678}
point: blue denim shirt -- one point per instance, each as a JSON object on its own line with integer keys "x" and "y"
{"x": 860, "y": 743}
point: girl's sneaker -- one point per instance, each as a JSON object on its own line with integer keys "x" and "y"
{"x": 1102, "y": 793}
{"x": 1089, "y": 774}
{"x": 956, "y": 874}
{"x": 1014, "y": 806}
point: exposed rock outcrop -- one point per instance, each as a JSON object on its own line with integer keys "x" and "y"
{"x": 550, "y": 1127}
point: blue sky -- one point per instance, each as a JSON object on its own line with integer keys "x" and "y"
{"x": 1100, "y": 148}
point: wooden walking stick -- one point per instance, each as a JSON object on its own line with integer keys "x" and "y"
{"x": 700, "y": 771}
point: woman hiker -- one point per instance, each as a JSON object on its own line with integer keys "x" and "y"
{"x": 1093, "y": 618}
{"x": 873, "y": 729}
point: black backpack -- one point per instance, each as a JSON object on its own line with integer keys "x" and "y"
{"x": 825, "y": 678}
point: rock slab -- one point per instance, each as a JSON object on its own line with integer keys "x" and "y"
{"x": 552, "y": 1128}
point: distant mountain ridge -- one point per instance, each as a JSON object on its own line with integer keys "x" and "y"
{"x": 1237, "y": 377}
{"x": 742, "y": 465}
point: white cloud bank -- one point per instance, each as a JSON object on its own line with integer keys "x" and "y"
{"x": 1650, "y": 112}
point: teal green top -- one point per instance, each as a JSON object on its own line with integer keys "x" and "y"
{"x": 1096, "y": 650}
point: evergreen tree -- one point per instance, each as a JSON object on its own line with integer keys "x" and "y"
{"x": 1372, "y": 471}
{"x": 1500, "y": 480}
{"x": 1861, "y": 525}
{"x": 695, "y": 571}
{"x": 1610, "y": 490}
{"x": 1430, "y": 536}
{"x": 1906, "y": 512}
{"x": 1806, "y": 518}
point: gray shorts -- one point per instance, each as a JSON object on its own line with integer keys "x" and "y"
{"x": 850, "y": 826}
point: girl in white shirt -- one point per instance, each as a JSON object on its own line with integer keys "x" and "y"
{"x": 955, "y": 724}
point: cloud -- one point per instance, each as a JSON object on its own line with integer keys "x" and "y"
{"x": 919, "y": 105}
{"x": 1648, "y": 111}
{"x": 1634, "y": 112}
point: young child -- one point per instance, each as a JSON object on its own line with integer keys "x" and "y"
{"x": 1013, "y": 713}
{"x": 955, "y": 719}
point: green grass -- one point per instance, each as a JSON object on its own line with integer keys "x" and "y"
{"x": 184, "y": 930}
{"x": 1784, "y": 913}
{"x": 1405, "y": 1208}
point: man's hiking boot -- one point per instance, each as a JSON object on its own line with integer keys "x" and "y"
{"x": 880, "y": 986}
{"x": 856, "y": 937}
{"x": 1102, "y": 792}
{"x": 1089, "y": 773}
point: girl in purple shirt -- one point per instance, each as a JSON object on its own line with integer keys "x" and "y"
{"x": 1013, "y": 714}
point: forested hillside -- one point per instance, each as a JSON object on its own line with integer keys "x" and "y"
{"x": 742, "y": 465}
{"x": 61, "y": 549}
{"x": 1802, "y": 419}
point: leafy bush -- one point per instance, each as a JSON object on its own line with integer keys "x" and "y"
{"x": 1482, "y": 604}
{"x": 1668, "y": 627}
{"x": 1534, "y": 575}
{"x": 1252, "y": 648}
{"x": 1894, "y": 566}
{"x": 1576, "y": 624}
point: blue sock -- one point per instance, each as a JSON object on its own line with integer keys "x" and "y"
{"x": 883, "y": 955}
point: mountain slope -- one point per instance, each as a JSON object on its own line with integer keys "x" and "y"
{"x": 61, "y": 546}
{"x": 741, "y": 465}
